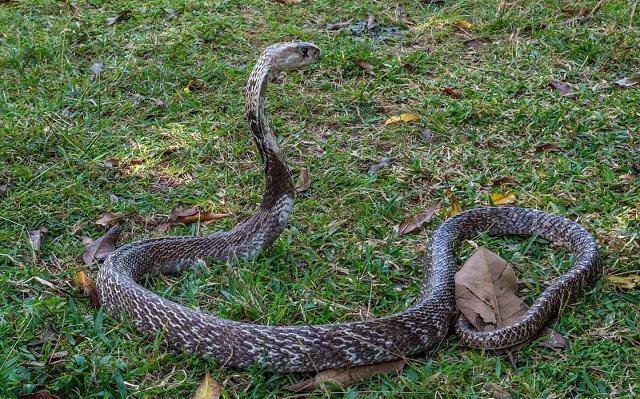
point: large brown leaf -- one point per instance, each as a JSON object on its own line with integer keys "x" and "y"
{"x": 101, "y": 248}
{"x": 414, "y": 222}
{"x": 486, "y": 289}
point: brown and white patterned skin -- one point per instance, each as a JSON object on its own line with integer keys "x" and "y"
{"x": 310, "y": 348}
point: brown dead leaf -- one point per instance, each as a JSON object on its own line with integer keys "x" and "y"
{"x": 551, "y": 147}
{"x": 193, "y": 215}
{"x": 414, "y": 222}
{"x": 503, "y": 181}
{"x": 100, "y": 248}
{"x": 122, "y": 15}
{"x": 455, "y": 207}
{"x": 502, "y": 199}
{"x": 346, "y": 377}
{"x": 553, "y": 340}
{"x": 304, "y": 181}
{"x": 88, "y": 287}
{"x": 384, "y": 162}
{"x": 628, "y": 82}
{"x": 208, "y": 389}
{"x": 486, "y": 289}
{"x": 38, "y": 395}
{"x": 109, "y": 219}
{"x": 448, "y": 91}
{"x": 627, "y": 282}
{"x": 57, "y": 357}
{"x": 406, "y": 117}
{"x": 565, "y": 89}
{"x": 365, "y": 66}
{"x": 372, "y": 22}
{"x": 36, "y": 236}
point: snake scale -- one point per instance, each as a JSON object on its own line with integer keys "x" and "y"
{"x": 304, "y": 348}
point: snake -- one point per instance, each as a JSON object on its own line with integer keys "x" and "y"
{"x": 307, "y": 348}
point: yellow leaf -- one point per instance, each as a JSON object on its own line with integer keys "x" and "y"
{"x": 502, "y": 199}
{"x": 627, "y": 282}
{"x": 455, "y": 207}
{"x": 208, "y": 389}
{"x": 406, "y": 117}
{"x": 462, "y": 24}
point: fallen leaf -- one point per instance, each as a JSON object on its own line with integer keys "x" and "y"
{"x": 35, "y": 237}
{"x": 384, "y": 162}
{"x": 553, "y": 340}
{"x": 208, "y": 389}
{"x": 122, "y": 15}
{"x": 57, "y": 357}
{"x": 406, "y": 117}
{"x": 49, "y": 335}
{"x": 39, "y": 395}
{"x": 193, "y": 215}
{"x": 337, "y": 25}
{"x": 365, "y": 66}
{"x": 162, "y": 227}
{"x": 288, "y": 2}
{"x": 486, "y": 291}
{"x": 627, "y": 282}
{"x": 96, "y": 69}
{"x": 451, "y": 92}
{"x": 304, "y": 181}
{"x": 462, "y": 24}
{"x": 109, "y": 219}
{"x": 628, "y": 82}
{"x": 371, "y": 22}
{"x": 503, "y": 180}
{"x": 502, "y": 199}
{"x": 346, "y": 377}
{"x": 547, "y": 147}
{"x": 88, "y": 287}
{"x": 414, "y": 222}
{"x": 100, "y": 248}
{"x": 455, "y": 207}
{"x": 174, "y": 13}
{"x": 565, "y": 89}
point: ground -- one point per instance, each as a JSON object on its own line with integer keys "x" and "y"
{"x": 145, "y": 113}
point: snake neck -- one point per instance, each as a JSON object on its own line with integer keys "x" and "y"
{"x": 276, "y": 170}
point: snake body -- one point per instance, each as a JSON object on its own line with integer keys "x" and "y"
{"x": 310, "y": 348}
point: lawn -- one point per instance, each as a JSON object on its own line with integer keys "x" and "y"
{"x": 144, "y": 112}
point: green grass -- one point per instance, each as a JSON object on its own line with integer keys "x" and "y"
{"x": 339, "y": 258}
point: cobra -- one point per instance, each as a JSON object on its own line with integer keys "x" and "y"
{"x": 301, "y": 348}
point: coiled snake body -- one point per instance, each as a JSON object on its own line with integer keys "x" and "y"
{"x": 308, "y": 348}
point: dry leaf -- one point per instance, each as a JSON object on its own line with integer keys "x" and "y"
{"x": 102, "y": 247}
{"x": 451, "y": 92}
{"x": 553, "y": 340}
{"x": 88, "y": 287}
{"x": 406, "y": 117}
{"x": 564, "y": 88}
{"x": 35, "y": 237}
{"x": 384, "y": 162}
{"x": 365, "y": 66}
{"x": 455, "y": 207}
{"x": 193, "y": 215}
{"x": 39, "y": 395}
{"x": 414, "y": 222}
{"x": 120, "y": 17}
{"x": 503, "y": 180}
{"x": 337, "y": 25}
{"x": 57, "y": 357}
{"x": 627, "y": 282}
{"x": 109, "y": 219}
{"x": 208, "y": 389}
{"x": 628, "y": 82}
{"x": 288, "y": 2}
{"x": 346, "y": 377}
{"x": 371, "y": 22}
{"x": 174, "y": 13}
{"x": 547, "y": 147}
{"x": 462, "y": 24}
{"x": 486, "y": 291}
{"x": 304, "y": 181}
{"x": 502, "y": 199}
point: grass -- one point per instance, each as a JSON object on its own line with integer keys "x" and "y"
{"x": 168, "y": 107}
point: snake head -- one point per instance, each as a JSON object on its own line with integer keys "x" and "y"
{"x": 292, "y": 55}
